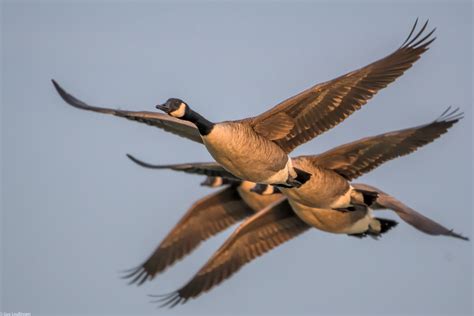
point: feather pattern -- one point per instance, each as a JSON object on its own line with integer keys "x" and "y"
{"x": 211, "y": 169}
{"x": 325, "y": 105}
{"x": 409, "y": 215}
{"x": 357, "y": 158}
{"x": 257, "y": 235}
{"x": 165, "y": 122}
{"x": 207, "y": 217}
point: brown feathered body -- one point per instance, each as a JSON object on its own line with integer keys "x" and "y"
{"x": 248, "y": 155}
{"x": 338, "y": 222}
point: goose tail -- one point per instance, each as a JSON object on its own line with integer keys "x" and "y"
{"x": 386, "y": 224}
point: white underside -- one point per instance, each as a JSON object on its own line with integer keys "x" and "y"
{"x": 362, "y": 225}
{"x": 343, "y": 201}
{"x": 317, "y": 216}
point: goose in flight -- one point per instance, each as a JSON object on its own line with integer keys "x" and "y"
{"x": 265, "y": 141}
{"x": 384, "y": 201}
{"x": 355, "y": 223}
{"x": 278, "y": 223}
{"x": 215, "y": 212}
{"x": 329, "y": 186}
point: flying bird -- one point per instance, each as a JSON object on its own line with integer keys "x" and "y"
{"x": 357, "y": 222}
{"x": 264, "y": 141}
{"x": 329, "y": 186}
{"x": 278, "y": 223}
{"x": 215, "y": 212}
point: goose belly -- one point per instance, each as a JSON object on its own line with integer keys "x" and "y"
{"x": 250, "y": 157}
{"x": 256, "y": 201}
{"x": 333, "y": 221}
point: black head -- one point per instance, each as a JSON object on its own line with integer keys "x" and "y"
{"x": 174, "y": 107}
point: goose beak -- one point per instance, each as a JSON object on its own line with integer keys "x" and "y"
{"x": 162, "y": 107}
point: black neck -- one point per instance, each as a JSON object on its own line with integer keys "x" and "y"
{"x": 204, "y": 126}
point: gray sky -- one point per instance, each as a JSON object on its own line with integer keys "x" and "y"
{"x": 76, "y": 211}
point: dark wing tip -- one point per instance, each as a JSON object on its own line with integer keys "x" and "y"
{"x": 450, "y": 115}
{"x": 168, "y": 300}
{"x": 452, "y": 233}
{"x": 64, "y": 95}
{"x": 135, "y": 160}
{"x": 71, "y": 100}
{"x": 414, "y": 41}
{"x": 56, "y": 85}
{"x": 142, "y": 163}
{"x": 138, "y": 275}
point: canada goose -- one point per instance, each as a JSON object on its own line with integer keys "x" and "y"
{"x": 204, "y": 219}
{"x": 358, "y": 222}
{"x": 355, "y": 223}
{"x": 278, "y": 223}
{"x": 341, "y": 223}
{"x": 384, "y": 201}
{"x": 329, "y": 187}
{"x": 275, "y": 133}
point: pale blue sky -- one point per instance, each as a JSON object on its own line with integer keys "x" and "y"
{"x": 76, "y": 211}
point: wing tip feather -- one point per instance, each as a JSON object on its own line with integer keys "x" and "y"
{"x": 450, "y": 115}
{"x": 169, "y": 300}
{"x": 414, "y": 41}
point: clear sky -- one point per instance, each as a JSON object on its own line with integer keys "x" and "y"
{"x": 76, "y": 211}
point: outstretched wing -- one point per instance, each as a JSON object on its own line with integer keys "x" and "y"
{"x": 406, "y": 213}
{"x": 359, "y": 157}
{"x": 319, "y": 108}
{"x": 212, "y": 169}
{"x": 207, "y": 217}
{"x": 165, "y": 122}
{"x": 255, "y": 236}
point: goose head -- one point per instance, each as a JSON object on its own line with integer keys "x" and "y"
{"x": 174, "y": 107}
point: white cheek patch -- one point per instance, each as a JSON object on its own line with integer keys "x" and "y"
{"x": 180, "y": 111}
